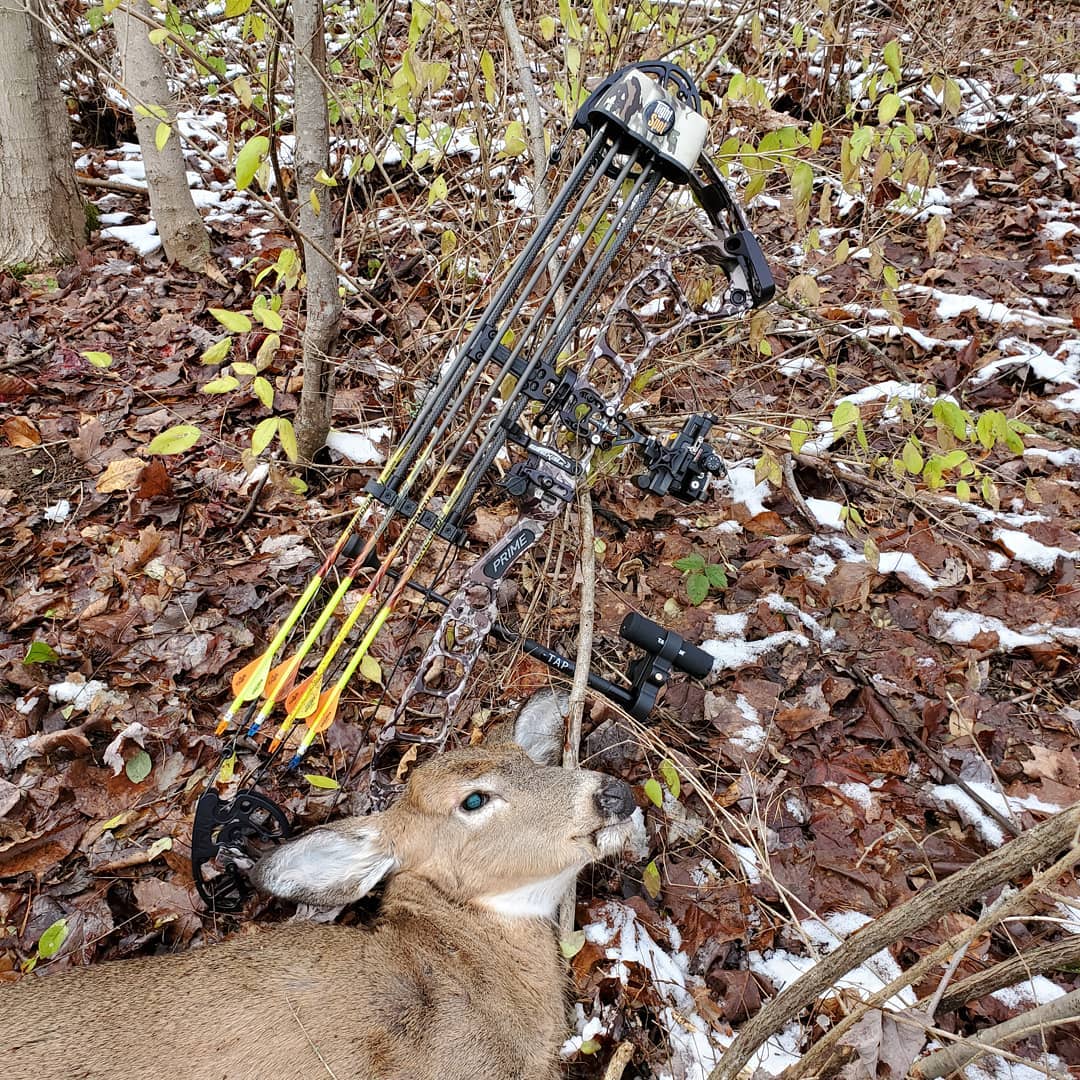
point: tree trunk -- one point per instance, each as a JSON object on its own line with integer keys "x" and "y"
{"x": 322, "y": 300}
{"x": 182, "y": 232}
{"x": 42, "y": 217}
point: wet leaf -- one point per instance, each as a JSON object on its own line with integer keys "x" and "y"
{"x": 138, "y": 766}
{"x": 51, "y": 941}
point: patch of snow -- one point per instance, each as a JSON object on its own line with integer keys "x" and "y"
{"x": 827, "y": 512}
{"x": 1067, "y": 402}
{"x": 25, "y": 705}
{"x": 950, "y": 796}
{"x": 142, "y": 237}
{"x": 1061, "y": 367}
{"x": 1038, "y": 990}
{"x": 960, "y": 627}
{"x": 749, "y": 861}
{"x": 1054, "y": 457}
{"x": 695, "y": 1050}
{"x": 952, "y": 305}
{"x": 359, "y": 446}
{"x": 1041, "y": 557}
{"x": 746, "y": 491}
{"x": 59, "y": 511}
{"x": 79, "y": 695}
{"x": 858, "y": 793}
{"x": 821, "y": 634}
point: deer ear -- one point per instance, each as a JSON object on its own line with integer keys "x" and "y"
{"x": 329, "y": 866}
{"x": 539, "y": 726}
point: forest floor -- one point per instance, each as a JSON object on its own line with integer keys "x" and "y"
{"x": 896, "y": 688}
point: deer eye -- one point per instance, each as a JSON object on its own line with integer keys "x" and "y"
{"x": 474, "y": 800}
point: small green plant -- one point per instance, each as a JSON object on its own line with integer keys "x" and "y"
{"x": 701, "y": 576}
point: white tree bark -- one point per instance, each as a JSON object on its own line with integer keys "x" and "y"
{"x": 322, "y": 303}
{"x": 42, "y": 217}
{"x": 182, "y": 232}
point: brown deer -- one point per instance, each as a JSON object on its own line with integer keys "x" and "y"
{"x": 458, "y": 977}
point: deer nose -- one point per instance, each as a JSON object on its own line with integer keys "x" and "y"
{"x": 614, "y": 799}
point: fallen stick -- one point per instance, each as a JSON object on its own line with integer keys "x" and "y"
{"x": 1061, "y": 1010}
{"x": 1014, "y": 859}
{"x": 1060, "y": 956}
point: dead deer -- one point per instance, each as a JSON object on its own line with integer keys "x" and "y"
{"x": 458, "y": 978}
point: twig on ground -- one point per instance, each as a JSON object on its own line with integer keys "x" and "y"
{"x": 619, "y": 1060}
{"x": 117, "y": 186}
{"x": 1015, "y": 858}
{"x": 818, "y": 1060}
{"x": 535, "y": 115}
{"x": 796, "y": 495}
{"x": 1062, "y": 1010}
{"x": 571, "y": 749}
{"x": 1060, "y": 956}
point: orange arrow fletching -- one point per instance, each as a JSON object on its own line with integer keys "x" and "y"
{"x": 325, "y": 714}
{"x": 247, "y": 683}
{"x": 280, "y": 680}
{"x": 304, "y": 699}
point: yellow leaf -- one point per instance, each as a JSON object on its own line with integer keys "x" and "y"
{"x": 269, "y": 318}
{"x": 175, "y": 440}
{"x": 326, "y": 782}
{"x": 314, "y": 200}
{"x": 321, "y": 177}
{"x": 370, "y": 669}
{"x": 221, "y": 385}
{"x": 161, "y": 135}
{"x": 514, "y": 139}
{"x": 264, "y": 357}
{"x": 263, "y": 434}
{"x": 159, "y": 35}
{"x": 234, "y": 321}
{"x": 262, "y": 389}
{"x": 651, "y": 879}
{"x": 217, "y": 352}
{"x": 287, "y": 435}
{"x": 249, "y": 159}
{"x": 98, "y": 359}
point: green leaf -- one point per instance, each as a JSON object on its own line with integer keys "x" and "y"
{"x": 963, "y": 491}
{"x": 438, "y": 190}
{"x": 262, "y": 389}
{"x": 98, "y": 359}
{"x": 487, "y": 69}
{"x": 514, "y": 139}
{"x": 912, "y": 459}
{"x": 234, "y": 321}
{"x": 654, "y": 792}
{"x": 269, "y": 318}
{"x": 893, "y": 59}
{"x": 845, "y": 415}
{"x": 986, "y": 429}
{"x": 326, "y": 782}
{"x": 802, "y": 184}
{"x": 888, "y": 107}
{"x": 572, "y": 944}
{"x": 324, "y": 178}
{"x": 242, "y": 367}
{"x": 370, "y": 669}
{"x": 697, "y": 588}
{"x": 41, "y": 652}
{"x": 690, "y": 562}
{"x": 221, "y": 385}
{"x": 287, "y": 435}
{"x": 651, "y": 879}
{"x": 263, "y": 434}
{"x": 234, "y": 8}
{"x": 217, "y": 352}
{"x": 175, "y": 440}
{"x": 671, "y": 777}
{"x": 249, "y": 159}
{"x": 951, "y": 417}
{"x": 52, "y": 939}
{"x": 228, "y": 768}
{"x": 800, "y": 432}
{"x": 548, "y": 26}
{"x": 589, "y": 1046}
{"x": 817, "y": 133}
{"x": 138, "y": 766}
{"x": 716, "y": 575}
{"x": 162, "y": 134}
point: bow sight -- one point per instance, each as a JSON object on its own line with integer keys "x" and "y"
{"x": 532, "y": 384}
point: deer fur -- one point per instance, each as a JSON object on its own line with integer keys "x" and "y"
{"x": 458, "y": 977}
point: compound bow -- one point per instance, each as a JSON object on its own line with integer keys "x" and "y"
{"x": 511, "y": 385}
